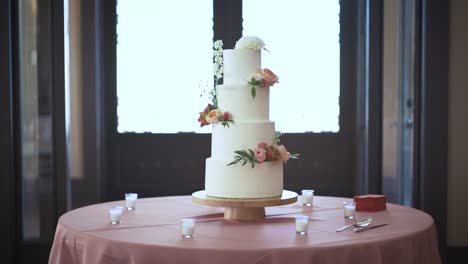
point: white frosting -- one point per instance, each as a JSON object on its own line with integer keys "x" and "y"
{"x": 240, "y": 65}
{"x": 237, "y": 181}
{"x": 242, "y": 135}
{"x": 238, "y": 100}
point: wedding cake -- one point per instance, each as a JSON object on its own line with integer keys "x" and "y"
{"x": 246, "y": 157}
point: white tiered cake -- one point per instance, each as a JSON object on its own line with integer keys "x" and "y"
{"x": 258, "y": 171}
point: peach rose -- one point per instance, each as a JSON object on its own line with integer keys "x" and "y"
{"x": 260, "y": 155}
{"x": 270, "y": 77}
{"x": 213, "y": 116}
{"x": 272, "y": 153}
{"x": 203, "y": 114}
{"x": 284, "y": 153}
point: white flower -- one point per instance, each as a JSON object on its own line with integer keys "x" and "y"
{"x": 247, "y": 42}
{"x": 218, "y": 44}
{"x": 219, "y": 73}
{"x": 218, "y": 70}
{"x": 258, "y": 76}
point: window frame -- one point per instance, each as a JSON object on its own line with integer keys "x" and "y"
{"x": 128, "y": 165}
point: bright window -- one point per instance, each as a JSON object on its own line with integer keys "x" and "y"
{"x": 303, "y": 38}
{"x": 164, "y": 62}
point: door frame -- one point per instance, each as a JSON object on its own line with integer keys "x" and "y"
{"x": 431, "y": 126}
{"x": 16, "y": 249}
{"x": 7, "y": 174}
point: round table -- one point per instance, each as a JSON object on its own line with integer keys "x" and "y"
{"x": 151, "y": 234}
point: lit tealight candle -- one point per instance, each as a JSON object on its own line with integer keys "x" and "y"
{"x": 115, "y": 213}
{"x": 307, "y": 197}
{"x": 131, "y": 199}
{"x": 349, "y": 210}
{"x": 188, "y": 227}
{"x": 302, "y": 224}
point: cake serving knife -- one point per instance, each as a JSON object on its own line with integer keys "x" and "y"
{"x": 364, "y": 228}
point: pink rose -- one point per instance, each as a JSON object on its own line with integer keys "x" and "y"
{"x": 284, "y": 153}
{"x": 264, "y": 83}
{"x": 227, "y": 115}
{"x": 260, "y": 155}
{"x": 262, "y": 145}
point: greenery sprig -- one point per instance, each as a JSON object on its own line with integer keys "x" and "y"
{"x": 225, "y": 123}
{"x": 244, "y": 156}
{"x": 254, "y": 83}
{"x": 276, "y": 138}
{"x": 294, "y": 156}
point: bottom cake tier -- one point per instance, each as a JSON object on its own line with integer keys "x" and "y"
{"x": 237, "y": 181}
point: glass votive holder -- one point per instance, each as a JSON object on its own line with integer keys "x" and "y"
{"x": 115, "y": 213}
{"x": 131, "y": 199}
{"x": 307, "y": 197}
{"x": 188, "y": 227}
{"x": 349, "y": 210}
{"x": 302, "y": 224}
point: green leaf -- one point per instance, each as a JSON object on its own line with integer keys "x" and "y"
{"x": 240, "y": 152}
{"x": 253, "y": 91}
{"x": 294, "y": 156}
{"x": 276, "y": 138}
{"x": 244, "y": 156}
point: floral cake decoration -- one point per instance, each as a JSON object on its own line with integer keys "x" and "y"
{"x": 263, "y": 78}
{"x": 250, "y": 43}
{"x": 211, "y": 114}
{"x": 264, "y": 153}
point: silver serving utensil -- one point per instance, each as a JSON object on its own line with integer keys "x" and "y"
{"x": 364, "y": 228}
{"x": 364, "y": 222}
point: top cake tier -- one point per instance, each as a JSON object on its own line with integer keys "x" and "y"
{"x": 240, "y": 65}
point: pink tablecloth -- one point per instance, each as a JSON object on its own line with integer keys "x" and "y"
{"x": 151, "y": 234}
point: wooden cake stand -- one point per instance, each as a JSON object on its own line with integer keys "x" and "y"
{"x": 244, "y": 209}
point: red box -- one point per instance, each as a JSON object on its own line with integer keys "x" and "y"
{"x": 370, "y": 202}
